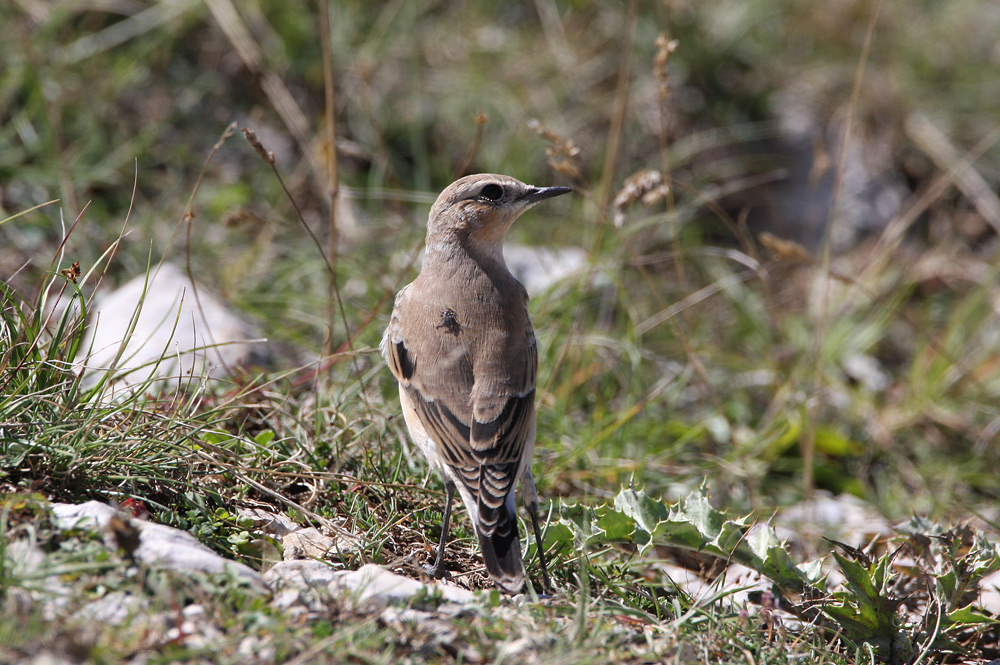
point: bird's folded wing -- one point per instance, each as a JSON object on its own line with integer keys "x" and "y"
{"x": 439, "y": 389}
{"x": 499, "y": 445}
{"x": 481, "y": 439}
{"x": 484, "y": 456}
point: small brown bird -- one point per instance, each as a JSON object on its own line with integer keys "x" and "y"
{"x": 462, "y": 347}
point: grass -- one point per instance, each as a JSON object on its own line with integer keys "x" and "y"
{"x": 691, "y": 351}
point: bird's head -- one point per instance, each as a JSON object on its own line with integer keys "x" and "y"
{"x": 478, "y": 210}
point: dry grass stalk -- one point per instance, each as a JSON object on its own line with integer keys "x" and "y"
{"x": 647, "y": 186}
{"x": 664, "y": 47}
{"x": 563, "y": 153}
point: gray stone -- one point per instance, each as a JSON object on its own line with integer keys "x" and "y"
{"x": 49, "y": 658}
{"x": 287, "y": 599}
{"x": 112, "y": 609}
{"x": 300, "y": 586}
{"x": 844, "y": 517}
{"x": 196, "y": 630}
{"x": 522, "y": 650}
{"x": 23, "y": 559}
{"x": 26, "y": 561}
{"x": 431, "y": 632}
{"x": 257, "y": 648}
{"x": 989, "y": 596}
{"x": 798, "y": 207}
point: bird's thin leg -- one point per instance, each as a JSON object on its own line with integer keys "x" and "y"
{"x": 437, "y": 571}
{"x": 531, "y": 503}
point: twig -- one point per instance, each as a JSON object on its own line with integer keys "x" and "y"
{"x": 268, "y": 158}
{"x": 481, "y": 120}
{"x": 188, "y": 219}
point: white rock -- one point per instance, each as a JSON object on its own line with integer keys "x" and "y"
{"x": 311, "y": 543}
{"x": 182, "y": 333}
{"x": 300, "y": 574}
{"x": 300, "y": 586}
{"x": 287, "y": 599}
{"x": 194, "y": 611}
{"x": 844, "y": 517}
{"x": 158, "y": 544}
{"x": 989, "y": 597}
{"x": 26, "y": 561}
{"x": 523, "y": 650}
{"x": 257, "y": 648}
{"x": 538, "y": 268}
{"x": 400, "y": 615}
{"x": 308, "y": 543}
{"x": 866, "y": 370}
{"x": 373, "y": 583}
{"x": 22, "y": 559}
{"x": 274, "y": 524}
{"x": 432, "y": 631}
{"x": 49, "y": 658}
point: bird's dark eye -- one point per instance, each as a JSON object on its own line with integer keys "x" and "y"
{"x": 491, "y": 192}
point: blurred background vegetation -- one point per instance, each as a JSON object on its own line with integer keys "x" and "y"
{"x": 694, "y": 344}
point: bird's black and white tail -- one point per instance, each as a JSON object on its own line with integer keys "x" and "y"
{"x": 502, "y": 552}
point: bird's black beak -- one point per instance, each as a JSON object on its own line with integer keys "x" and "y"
{"x": 536, "y": 194}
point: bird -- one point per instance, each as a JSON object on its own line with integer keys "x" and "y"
{"x": 462, "y": 347}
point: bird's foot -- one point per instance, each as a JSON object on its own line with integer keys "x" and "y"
{"x": 544, "y": 590}
{"x": 436, "y": 570}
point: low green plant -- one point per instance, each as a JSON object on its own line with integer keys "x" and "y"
{"x": 866, "y": 609}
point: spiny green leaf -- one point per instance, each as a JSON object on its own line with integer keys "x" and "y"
{"x": 967, "y": 615}
{"x": 771, "y": 558}
{"x": 645, "y": 512}
{"x": 857, "y": 576}
{"x": 616, "y": 525}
